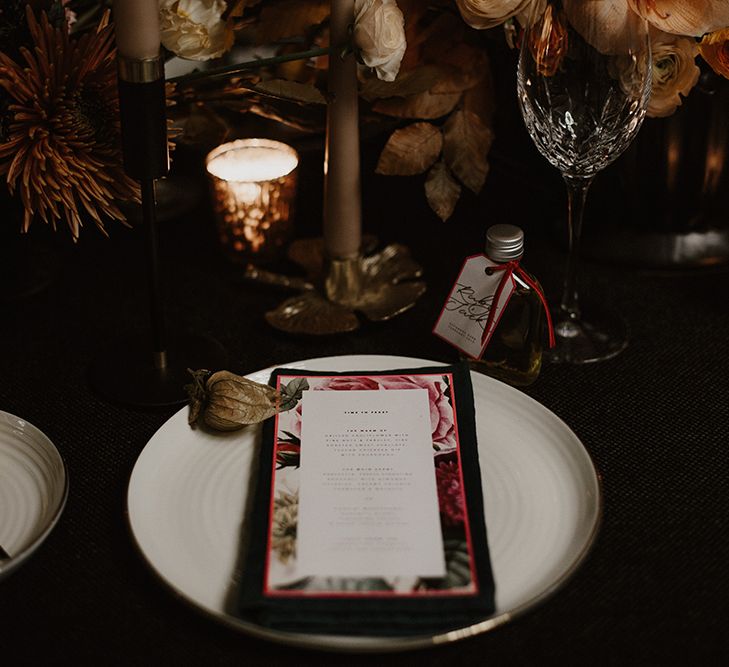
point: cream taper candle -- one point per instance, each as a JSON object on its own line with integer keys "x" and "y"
{"x": 342, "y": 210}
{"x": 137, "y": 28}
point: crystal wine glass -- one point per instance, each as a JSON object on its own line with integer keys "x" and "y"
{"x": 584, "y": 80}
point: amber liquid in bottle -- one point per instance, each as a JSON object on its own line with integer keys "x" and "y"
{"x": 514, "y": 353}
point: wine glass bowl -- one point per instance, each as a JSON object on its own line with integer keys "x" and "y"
{"x": 583, "y": 84}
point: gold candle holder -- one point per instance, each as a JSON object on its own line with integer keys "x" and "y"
{"x": 253, "y": 184}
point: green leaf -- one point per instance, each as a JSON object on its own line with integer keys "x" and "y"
{"x": 291, "y": 393}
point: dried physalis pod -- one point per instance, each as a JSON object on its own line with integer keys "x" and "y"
{"x": 226, "y": 402}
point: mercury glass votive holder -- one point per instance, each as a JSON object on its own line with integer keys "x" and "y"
{"x": 253, "y": 184}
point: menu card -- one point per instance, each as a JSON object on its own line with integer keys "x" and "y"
{"x": 368, "y": 504}
{"x": 368, "y": 511}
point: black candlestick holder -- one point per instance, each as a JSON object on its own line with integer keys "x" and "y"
{"x": 149, "y": 370}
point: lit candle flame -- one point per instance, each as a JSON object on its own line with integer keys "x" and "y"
{"x": 253, "y": 184}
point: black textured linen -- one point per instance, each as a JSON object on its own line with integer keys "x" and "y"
{"x": 359, "y": 615}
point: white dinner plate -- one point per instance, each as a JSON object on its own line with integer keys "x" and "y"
{"x": 188, "y": 489}
{"x": 33, "y": 489}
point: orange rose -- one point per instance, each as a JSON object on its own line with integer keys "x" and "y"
{"x": 714, "y": 49}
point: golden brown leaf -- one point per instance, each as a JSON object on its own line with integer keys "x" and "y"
{"x": 423, "y": 105}
{"x": 466, "y": 145}
{"x": 411, "y": 150}
{"x": 409, "y": 83}
{"x": 441, "y": 190}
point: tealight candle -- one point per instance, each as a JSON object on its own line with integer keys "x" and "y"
{"x": 253, "y": 186}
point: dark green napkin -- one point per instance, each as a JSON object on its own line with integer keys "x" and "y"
{"x": 348, "y": 613}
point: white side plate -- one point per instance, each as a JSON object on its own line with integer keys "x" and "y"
{"x": 33, "y": 489}
{"x": 188, "y": 489}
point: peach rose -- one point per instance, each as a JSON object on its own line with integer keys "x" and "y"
{"x": 482, "y": 14}
{"x": 675, "y": 72}
{"x": 607, "y": 25}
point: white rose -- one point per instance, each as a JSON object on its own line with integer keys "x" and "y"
{"x": 675, "y": 72}
{"x": 379, "y": 36}
{"x": 193, "y": 29}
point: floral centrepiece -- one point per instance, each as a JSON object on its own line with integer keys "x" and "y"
{"x": 437, "y": 80}
{"x": 423, "y": 66}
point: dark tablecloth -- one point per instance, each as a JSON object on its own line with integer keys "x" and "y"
{"x": 655, "y": 588}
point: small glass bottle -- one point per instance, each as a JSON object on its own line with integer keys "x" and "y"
{"x": 514, "y": 353}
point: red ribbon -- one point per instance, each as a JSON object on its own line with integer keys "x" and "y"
{"x": 509, "y": 269}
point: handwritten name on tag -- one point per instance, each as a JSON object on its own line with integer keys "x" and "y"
{"x": 466, "y": 312}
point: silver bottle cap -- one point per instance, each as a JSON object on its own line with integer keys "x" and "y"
{"x": 504, "y": 243}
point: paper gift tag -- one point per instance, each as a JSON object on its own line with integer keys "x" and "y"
{"x": 466, "y": 311}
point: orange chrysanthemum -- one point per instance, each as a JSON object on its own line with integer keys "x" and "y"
{"x": 62, "y": 149}
{"x": 715, "y": 50}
